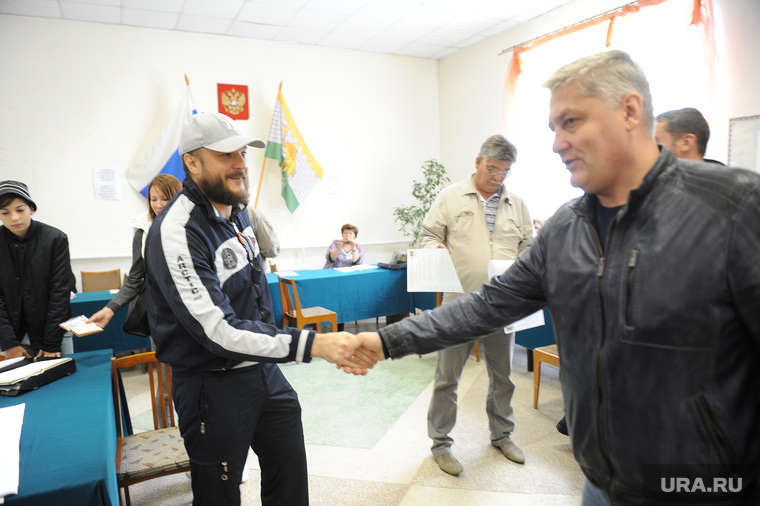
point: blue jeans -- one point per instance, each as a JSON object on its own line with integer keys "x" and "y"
{"x": 67, "y": 345}
{"x": 593, "y": 496}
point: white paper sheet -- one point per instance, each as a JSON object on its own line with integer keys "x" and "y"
{"x": 497, "y": 268}
{"x": 431, "y": 270}
{"x": 20, "y": 373}
{"x": 11, "y": 421}
{"x": 361, "y": 267}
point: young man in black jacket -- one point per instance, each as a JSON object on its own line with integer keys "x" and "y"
{"x": 35, "y": 281}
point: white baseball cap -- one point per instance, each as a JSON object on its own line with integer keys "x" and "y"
{"x": 214, "y": 131}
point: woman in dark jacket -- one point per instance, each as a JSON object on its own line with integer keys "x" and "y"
{"x": 161, "y": 190}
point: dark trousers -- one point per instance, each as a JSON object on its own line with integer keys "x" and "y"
{"x": 222, "y": 413}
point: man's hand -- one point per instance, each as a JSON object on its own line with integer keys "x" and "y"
{"x": 366, "y": 343}
{"x": 102, "y": 317}
{"x": 334, "y": 347}
{"x": 15, "y": 352}
{"x": 49, "y": 353}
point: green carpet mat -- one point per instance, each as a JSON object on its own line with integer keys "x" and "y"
{"x": 340, "y": 409}
{"x": 356, "y": 411}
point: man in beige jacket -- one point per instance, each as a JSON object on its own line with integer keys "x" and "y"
{"x": 477, "y": 220}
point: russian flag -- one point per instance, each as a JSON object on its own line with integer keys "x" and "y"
{"x": 162, "y": 156}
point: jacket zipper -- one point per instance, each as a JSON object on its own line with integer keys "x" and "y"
{"x": 599, "y": 360}
{"x": 629, "y": 287}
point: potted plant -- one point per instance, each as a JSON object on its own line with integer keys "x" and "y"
{"x": 410, "y": 218}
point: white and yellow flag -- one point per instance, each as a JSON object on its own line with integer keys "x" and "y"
{"x": 300, "y": 171}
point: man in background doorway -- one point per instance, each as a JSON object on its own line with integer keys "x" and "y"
{"x": 685, "y": 133}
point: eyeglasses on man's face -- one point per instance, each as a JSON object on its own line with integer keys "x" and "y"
{"x": 496, "y": 172}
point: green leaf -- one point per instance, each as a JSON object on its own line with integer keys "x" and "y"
{"x": 410, "y": 218}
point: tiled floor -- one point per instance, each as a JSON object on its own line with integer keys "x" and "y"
{"x": 399, "y": 469}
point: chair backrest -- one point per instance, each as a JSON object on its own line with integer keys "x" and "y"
{"x": 103, "y": 280}
{"x": 290, "y": 304}
{"x": 157, "y": 371}
{"x": 272, "y": 267}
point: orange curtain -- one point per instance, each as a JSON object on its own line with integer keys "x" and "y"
{"x": 702, "y": 15}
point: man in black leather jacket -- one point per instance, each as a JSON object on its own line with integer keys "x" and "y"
{"x": 653, "y": 282}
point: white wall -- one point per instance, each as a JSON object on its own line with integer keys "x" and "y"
{"x": 471, "y": 86}
{"x": 77, "y": 95}
{"x": 74, "y": 96}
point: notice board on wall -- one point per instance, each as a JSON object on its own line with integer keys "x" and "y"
{"x": 744, "y": 142}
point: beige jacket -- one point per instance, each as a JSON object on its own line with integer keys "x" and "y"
{"x": 457, "y": 220}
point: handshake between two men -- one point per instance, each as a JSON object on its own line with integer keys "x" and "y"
{"x": 355, "y": 354}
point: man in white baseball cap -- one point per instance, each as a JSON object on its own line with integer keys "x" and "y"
{"x": 211, "y": 318}
{"x": 216, "y": 132}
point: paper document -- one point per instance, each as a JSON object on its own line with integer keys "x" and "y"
{"x": 361, "y": 267}
{"x": 27, "y": 371}
{"x": 11, "y": 421}
{"x": 431, "y": 270}
{"x": 79, "y": 326}
{"x": 497, "y": 268}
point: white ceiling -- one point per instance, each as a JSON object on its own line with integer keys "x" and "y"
{"x": 422, "y": 28}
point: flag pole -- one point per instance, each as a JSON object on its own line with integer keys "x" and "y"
{"x": 263, "y": 165}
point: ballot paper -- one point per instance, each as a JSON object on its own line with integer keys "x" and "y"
{"x": 431, "y": 270}
{"x": 11, "y": 421}
{"x": 360, "y": 267}
{"x": 497, "y": 268}
{"x": 79, "y": 326}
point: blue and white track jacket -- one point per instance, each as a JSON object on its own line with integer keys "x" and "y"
{"x": 209, "y": 306}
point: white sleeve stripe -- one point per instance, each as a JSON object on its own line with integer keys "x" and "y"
{"x": 302, "y": 345}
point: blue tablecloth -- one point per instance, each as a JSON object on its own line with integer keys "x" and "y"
{"x": 354, "y": 295}
{"x": 68, "y": 440}
{"x": 112, "y": 337}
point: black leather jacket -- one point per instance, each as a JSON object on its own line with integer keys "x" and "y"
{"x": 659, "y": 339}
{"x": 40, "y": 289}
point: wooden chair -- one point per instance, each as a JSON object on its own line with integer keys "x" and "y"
{"x": 272, "y": 267}
{"x": 153, "y": 453}
{"x": 103, "y": 280}
{"x": 293, "y": 312}
{"x": 548, "y": 354}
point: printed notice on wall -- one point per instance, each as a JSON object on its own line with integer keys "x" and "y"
{"x": 431, "y": 270}
{"x": 106, "y": 183}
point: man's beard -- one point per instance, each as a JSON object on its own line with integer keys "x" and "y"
{"x": 216, "y": 191}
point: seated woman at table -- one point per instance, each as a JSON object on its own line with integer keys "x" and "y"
{"x": 161, "y": 190}
{"x": 345, "y": 252}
